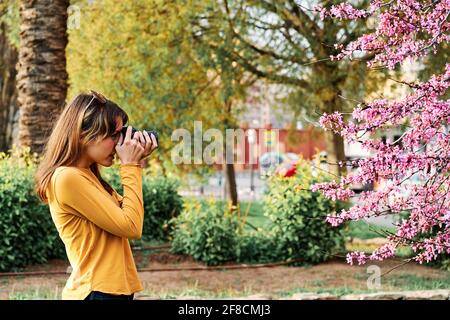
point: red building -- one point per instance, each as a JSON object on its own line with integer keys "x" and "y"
{"x": 304, "y": 142}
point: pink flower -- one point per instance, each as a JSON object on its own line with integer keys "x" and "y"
{"x": 413, "y": 172}
{"x": 332, "y": 121}
{"x": 359, "y": 257}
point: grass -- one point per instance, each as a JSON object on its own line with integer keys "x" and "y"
{"x": 37, "y": 294}
{"x": 333, "y": 291}
{"x": 46, "y": 294}
{"x": 404, "y": 281}
{"x": 401, "y": 252}
{"x": 392, "y": 282}
{"x": 363, "y": 230}
{"x": 255, "y": 216}
{"x": 411, "y": 282}
{"x": 197, "y": 292}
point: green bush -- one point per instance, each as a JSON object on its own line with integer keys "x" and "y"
{"x": 161, "y": 202}
{"x": 207, "y": 232}
{"x": 256, "y": 247}
{"x": 28, "y": 234}
{"x": 443, "y": 262}
{"x": 299, "y": 229}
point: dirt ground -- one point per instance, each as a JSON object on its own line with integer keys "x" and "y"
{"x": 276, "y": 281}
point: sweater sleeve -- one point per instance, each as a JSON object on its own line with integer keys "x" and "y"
{"x": 77, "y": 192}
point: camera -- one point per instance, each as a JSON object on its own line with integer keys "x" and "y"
{"x": 133, "y": 130}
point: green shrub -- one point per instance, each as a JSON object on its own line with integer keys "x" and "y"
{"x": 207, "y": 232}
{"x": 28, "y": 234}
{"x": 161, "y": 202}
{"x": 443, "y": 262}
{"x": 256, "y": 247}
{"x": 299, "y": 229}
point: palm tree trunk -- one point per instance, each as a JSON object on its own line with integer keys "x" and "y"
{"x": 8, "y": 93}
{"x": 42, "y": 75}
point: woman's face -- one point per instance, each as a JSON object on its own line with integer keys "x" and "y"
{"x": 103, "y": 151}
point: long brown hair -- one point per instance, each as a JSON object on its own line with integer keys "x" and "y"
{"x": 75, "y": 128}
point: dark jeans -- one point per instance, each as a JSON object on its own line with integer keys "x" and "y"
{"x": 97, "y": 295}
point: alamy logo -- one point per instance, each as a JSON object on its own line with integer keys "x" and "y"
{"x": 374, "y": 280}
{"x": 213, "y": 146}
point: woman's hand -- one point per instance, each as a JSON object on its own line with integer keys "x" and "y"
{"x": 129, "y": 151}
{"x": 147, "y": 141}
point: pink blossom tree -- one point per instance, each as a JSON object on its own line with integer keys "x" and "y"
{"x": 406, "y": 29}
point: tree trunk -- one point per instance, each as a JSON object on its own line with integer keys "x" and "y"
{"x": 335, "y": 153}
{"x": 42, "y": 75}
{"x": 8, "y": 93}
{"x": 231, "y": 184}
{"x": 335, "y": 142}
{"x": 328, "y": 80}
{"x": 230, "y": 174}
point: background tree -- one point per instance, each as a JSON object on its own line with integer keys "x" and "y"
{"x": 41, "y": 74}
{"x": 141, "y": 54}
{"x": 147, "y": 56}
{"x": 284, "y": 42}
{"x": 8, "y": 59}
{"x": 212, "y": 46}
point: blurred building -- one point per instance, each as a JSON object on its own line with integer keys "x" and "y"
{"x": 274, "y": 129}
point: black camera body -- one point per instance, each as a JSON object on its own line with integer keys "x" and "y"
{"x": 133, "y": 130}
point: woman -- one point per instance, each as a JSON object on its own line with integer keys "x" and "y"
{"x": 92, "y": 219}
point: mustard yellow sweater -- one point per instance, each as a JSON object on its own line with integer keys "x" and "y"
{"x": 95, "y": 227}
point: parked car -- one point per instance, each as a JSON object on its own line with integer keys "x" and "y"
{"x": 283, "y": 164}
{"x": 288, "y": 167}
{"x": 268, "y": 162}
